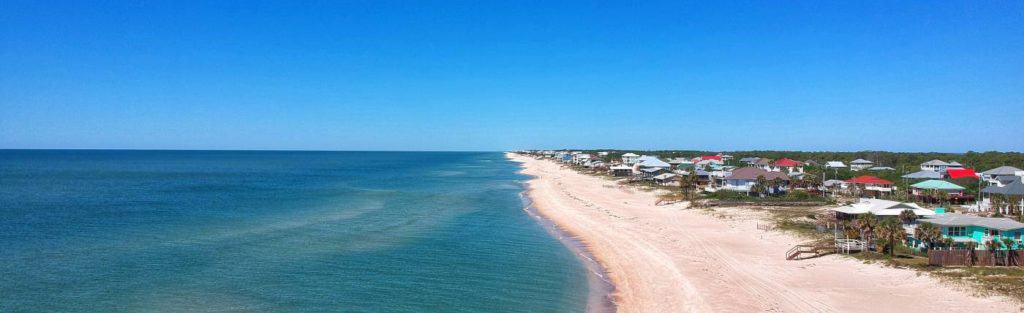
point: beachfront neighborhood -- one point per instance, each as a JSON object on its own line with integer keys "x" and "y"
{"x": 948, "y": 211}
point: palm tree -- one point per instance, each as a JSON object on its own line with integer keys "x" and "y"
{"x": 908, "y": 216}
{"x": 890, "y": 233}
{"x": 776, "y": 184}
{"x": 867, "y": 223}
{"x": 760, "y": 186}
{"x": 948, "y": 242}
{"x": 997, "y": 202}
{"x": 1010, "y": 255}
{"x": 928, "y": 233}
{"x": 993, "y": 246}
{"x": 971, "y": 245}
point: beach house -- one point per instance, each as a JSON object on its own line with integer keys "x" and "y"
{"x": 878, "y": 207}
{"x": 789, "y": 166}
{"x": 1008, "y": 199}
{"x": 835, "y": 164}
{"x": 681, "y": 163}
{"x": 939, "y": 165}
{"x": 749, "y": 161}
{"x": 743, "y": 179}
{"x": 1002, "y": 175}
{"x": 936, "y": 191}
{"x": 630, "y": 158}
{"x": 647, "y": 167}
{"x": 871, "y": 185}
{"x": 860, "y": 164}
{"x": 620, "y": 170}
{"x": 964, "y": 228}
{"x": 923, "y": 174}
{"x": 764, "y": 164}
{"x": 580, "y": 158}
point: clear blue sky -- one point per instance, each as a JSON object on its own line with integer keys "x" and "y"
{"x": 495, "y": 75}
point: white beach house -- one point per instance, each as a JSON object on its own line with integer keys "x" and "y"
{"x": 630, "y": 158}
{"x": 860, "y": 164}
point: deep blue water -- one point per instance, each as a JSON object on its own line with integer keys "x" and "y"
{"x": 275, "y": 231}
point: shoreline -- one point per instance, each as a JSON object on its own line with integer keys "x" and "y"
{"x": 600, "y": 289}
{"x": 669, "y": 258}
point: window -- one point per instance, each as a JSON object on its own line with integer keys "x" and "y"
{"x": 1016, "y": 235}
{"x": 956, "y": 231}
{"x": 993, "y": 232}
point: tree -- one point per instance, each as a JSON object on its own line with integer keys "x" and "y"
{"x": 908, "y": 216}
{"x": 776, "y": 184}
{"x": 993, "y": 246}
{"x": 890, "y": 233}
{"x": 760, "y": 186}
{"x": 970, "y": 246}
{"x": 867, "y": 223}
{"x": 928, "y": 233}
{"x": 1010, "y": 255}
{"x": 948, "y": 242}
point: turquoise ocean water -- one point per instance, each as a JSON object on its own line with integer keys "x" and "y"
{"x": 101, "y": 231}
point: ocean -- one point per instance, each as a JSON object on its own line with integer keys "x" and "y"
{"x": 99, "y": 231}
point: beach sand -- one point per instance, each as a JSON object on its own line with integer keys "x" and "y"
{"x": 673, "y": 259}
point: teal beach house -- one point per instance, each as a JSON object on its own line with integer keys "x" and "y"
{"x": 966, "y": 228}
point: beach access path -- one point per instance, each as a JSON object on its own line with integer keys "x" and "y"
{"x": 673, "y": 259}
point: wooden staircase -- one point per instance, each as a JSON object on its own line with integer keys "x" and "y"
{"x": 811, "y": 249}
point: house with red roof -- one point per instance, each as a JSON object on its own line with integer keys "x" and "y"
{"x": 788, "y": 165}
{"x": 871, "y": 185}
{"x": 956, "y": 173}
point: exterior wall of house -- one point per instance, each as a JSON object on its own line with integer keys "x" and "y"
{"x": 859, "y": 167}
{"x": 980, "y": 235}
{"x": 742, "y": 185}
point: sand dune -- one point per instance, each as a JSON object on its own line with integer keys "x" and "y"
{"x": 670, "y": 259}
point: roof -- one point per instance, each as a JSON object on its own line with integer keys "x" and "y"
{"x": 868, "y": 179}
{"x": 1002, "y": 170}
{"x": 711, "y": 157}
{"x": 955, "y": 173}
{"x": 955, "y": 219}
{"x": 1013, "y": 189}
{"x": 1007, "y": 179}
{"x": 923, "y": 175}
{"x": 787, "y": 162}
{"x": 882, "y": 208}
{"x": 935, "y": 163}
{"x": 621, "y": 167}
{"x": 650, "y": 161}
{"x": 750, "y": 159}
{"x": 751, "y": 173}
{"x": 665, "y": 176}
{"x": 630, "y": 154}
{"x": 955, "y": 163}
{"x": 937, "y": 185}
{"x": 881, "y": 168}
{"x": 861, "y": 161}
{"x": 763, "y": 162}
{"x": 833, "y": 182}
{"x": 836, "y": 164}
{"x": 679, "y": 160}
{"x": 652, "y": 169}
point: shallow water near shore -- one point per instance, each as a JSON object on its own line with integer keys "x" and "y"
{"x": 276, "y": 231}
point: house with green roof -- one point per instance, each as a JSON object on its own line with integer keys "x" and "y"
{"x": 934, "y": 191}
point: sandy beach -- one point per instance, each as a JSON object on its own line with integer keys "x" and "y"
{"x": 673, "y": 259}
